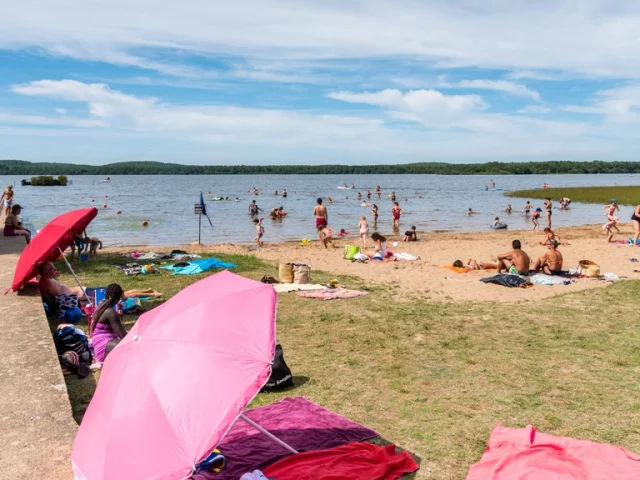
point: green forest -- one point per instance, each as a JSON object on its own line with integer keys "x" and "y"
{"x": 19, "y": 167}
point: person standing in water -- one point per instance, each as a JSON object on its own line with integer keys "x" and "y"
{"x": 253, "y": 208}
{"x": 378, "y": 191}
{"x": 284, "y": 194}
{"x": 322, "y": 217}
{"x": 527, "y": 208}
{"x": 393, "y": 196}
{"x": 368, "y": 194}
{"x": 396, "y": 211}
{"x": 548, "y": 206}
{"x": 374, "y": 212}
{"x": 359, "y": 196}
{"x": 493, "y": 184}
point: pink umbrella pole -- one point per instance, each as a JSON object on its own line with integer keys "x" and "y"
{"x": 268, "y": 434}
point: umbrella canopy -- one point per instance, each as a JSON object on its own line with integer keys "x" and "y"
{"x": 175, "y": 384}
{"x": 58, "y": 233}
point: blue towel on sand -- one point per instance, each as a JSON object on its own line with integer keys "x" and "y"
{"x": 199, "y": 266}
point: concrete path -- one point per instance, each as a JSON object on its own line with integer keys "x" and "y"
{"x": 36, "y": 426}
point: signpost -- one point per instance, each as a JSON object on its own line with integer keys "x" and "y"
{"x": 197, "y": 209}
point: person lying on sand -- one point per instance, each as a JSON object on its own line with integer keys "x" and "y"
{"x": 551, "y": 262}
{"x": 515, "y": 261}
{"x": 473, "y": 264}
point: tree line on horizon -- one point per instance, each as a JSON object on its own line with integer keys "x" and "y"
{"x": 20, "y": 167}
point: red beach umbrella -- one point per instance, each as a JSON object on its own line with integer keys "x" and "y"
{"x": 48, "y": 244}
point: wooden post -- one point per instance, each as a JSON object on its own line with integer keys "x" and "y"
{"x": 199, "y": 227}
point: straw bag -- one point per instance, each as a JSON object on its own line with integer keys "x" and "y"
{"x": 588, "y": 268}
{"x": 301, "y": 273}
{"x": 285, "y": 272}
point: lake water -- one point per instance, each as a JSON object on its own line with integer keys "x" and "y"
{"x": 167, "y": 203}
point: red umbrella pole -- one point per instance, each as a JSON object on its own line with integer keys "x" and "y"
{"x": 74, "y": 275}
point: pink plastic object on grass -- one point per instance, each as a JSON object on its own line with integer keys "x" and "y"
{"x": 176, "y": 383}
{"x": 524, "y": 454}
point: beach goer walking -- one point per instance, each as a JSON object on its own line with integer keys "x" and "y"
{"x": 548, "y": 206}
{"x": 322, "y": 217}
{"x": 516, "y": 261}
{"x": 635, "y": 220}
{"x": 374, "y": 212}
{"x": 396, "y": 211}
{"x": 107, "y": 330}
{"x": 253, "y": 208}
{"x": 535, "y": 217}
{"x": 364, "y": 231}
{"x": 13, "y": 226}
{"x": 527, "y": 208}
{"x": 610, "y": 211}
{"x": 551, "y": 262}
{"x": 259, "y": 231}
{"x": 7, "y": 196}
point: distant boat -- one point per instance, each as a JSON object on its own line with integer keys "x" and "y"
{"x": 345, "y": 187}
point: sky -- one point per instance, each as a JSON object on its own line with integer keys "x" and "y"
{"x": 314, "y": 82}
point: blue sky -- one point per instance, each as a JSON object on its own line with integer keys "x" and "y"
{"x": 206, "y": 82}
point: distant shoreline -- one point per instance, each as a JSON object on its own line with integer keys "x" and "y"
{"x": 19, "y": 167}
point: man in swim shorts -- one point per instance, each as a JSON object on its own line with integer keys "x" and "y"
{"x": 551, "y": 262}
{"x": 322, "y": 217}
{"x": 516, "y": 261}
{"x": 7, "y": 195}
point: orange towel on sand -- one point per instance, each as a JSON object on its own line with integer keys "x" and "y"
{"x": 456, "y": 269}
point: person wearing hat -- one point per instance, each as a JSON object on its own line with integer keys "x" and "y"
{"x": 13, "y": 226}
{"x": 7, "y": 196}
{"x": 551, "y": 262}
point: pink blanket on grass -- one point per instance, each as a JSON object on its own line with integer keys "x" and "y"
{"x": 331, "y": 294}
{"x": 524, "y": 454}
{"x": 304, "y": 425}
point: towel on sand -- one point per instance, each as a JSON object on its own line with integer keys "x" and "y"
{"x": 507, "y": 280}
{"x": 523, "y": 453}
{"x": 198, "y": 266}
{"x": 355, "y": 461}
{"x": 331, "y": 294}
{"x": 294, "y": 287}
{"x": 298, "y": 422}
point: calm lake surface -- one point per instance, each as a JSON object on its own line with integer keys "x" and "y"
{"x": 167, "y": 203}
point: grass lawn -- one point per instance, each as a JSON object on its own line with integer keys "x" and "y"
{"x": 436, "y": 378}
{"x": 625, "y": 195}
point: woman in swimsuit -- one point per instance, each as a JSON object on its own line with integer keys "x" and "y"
{"x": 107, "y": 330}
{"x": 374, "y": 212}
{"x": 547, "y": 210}
{"x": 635, "y": 219}
{"x": 396, "y": 211}
{"x": 13, "y": 225}
{"x": 364, "y": 230}
{"x": 380, "y": 251}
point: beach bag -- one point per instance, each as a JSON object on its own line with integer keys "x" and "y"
{"x": 71, "y": 339}
{"x": 350, "y": 251}
{"x": 588, "y": 268}
{"x": 360, "y": 257}
{"x": 285, "y": 272}
{"x": 281, "y": 376}
{"x": 301, "y": 273}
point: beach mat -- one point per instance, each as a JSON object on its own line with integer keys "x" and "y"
{"x": 304, "y": 425}
{"x": 519, "y": 453}
{"x": 198, "y": 266}
{"x": 355, "y": 461}
{"x": 294, "y": 287}
{"x": 331, "y": 294}
{"x": 507, "y": 280}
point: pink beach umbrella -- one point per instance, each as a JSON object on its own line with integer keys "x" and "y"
{"x": 170, "y": 391}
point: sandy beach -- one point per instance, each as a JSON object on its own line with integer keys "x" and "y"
{"x": 425, "y": 278}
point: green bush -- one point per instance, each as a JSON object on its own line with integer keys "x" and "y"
{"x": 43, "y": 181}
{"x": 62, "y": 180}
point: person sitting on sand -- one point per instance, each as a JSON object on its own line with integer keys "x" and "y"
{"x": 508, "y": 209}
{"x": 50, "y": 288}
{"x": 326, "y": 236}
{"x": 13, "y": 226}
{"x": 497, "y": 223}
{"x": 107, "y": 330}
{"x": 410, "y": 235}
{"x": 516, "y": 261}
{"x": 473, "y": 264}
{"x": 380, "y": 249}
{"x": 550, "y": 236}
{"x": 551, "y": 262}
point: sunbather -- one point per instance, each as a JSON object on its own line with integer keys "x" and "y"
{"x": 515, "y": 261}
{"x": 473, "y": 264}
{"x": 551, "y": 262}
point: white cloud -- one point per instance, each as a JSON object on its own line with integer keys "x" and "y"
{"x": 535, "y": 109}
{"x": 591, "y": 37}
{"x": 621, "y": 104}
{"x": 61, "y": 111}
{"x": 498, "y": 86}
